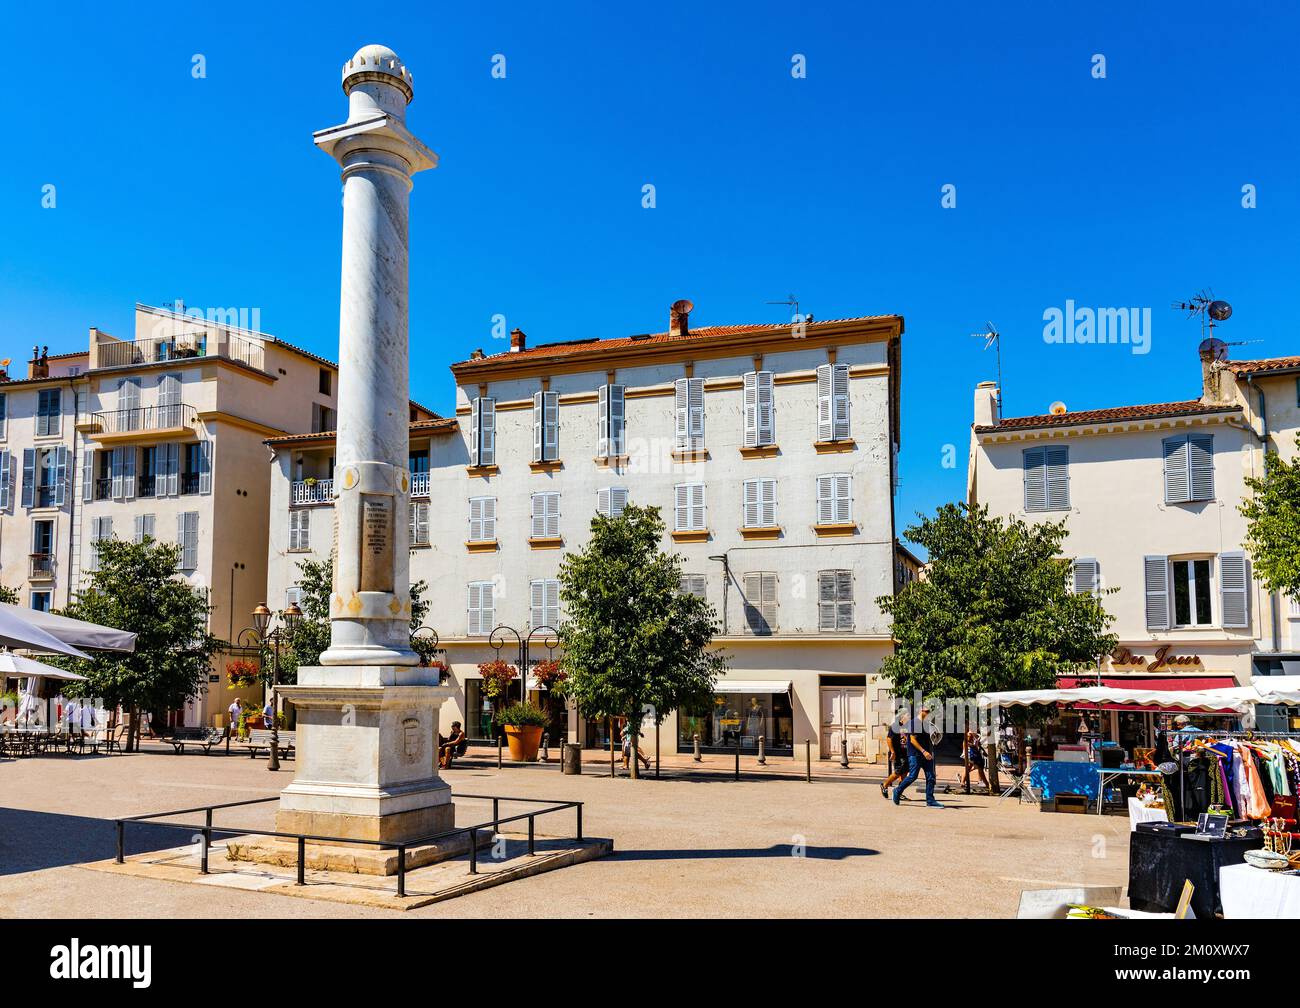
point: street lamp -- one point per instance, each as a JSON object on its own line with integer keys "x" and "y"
{"x": 260, "y": 635}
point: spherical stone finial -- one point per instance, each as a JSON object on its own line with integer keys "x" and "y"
{"x": 377, "y": 63}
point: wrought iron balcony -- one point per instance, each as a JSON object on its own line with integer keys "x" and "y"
{"x": 319, "y": 491}
{"x": 420, "y": 484}
{"x": 42, "y": 567}
{"x": 144, "y": 418}
{"x": 170, "y": 348}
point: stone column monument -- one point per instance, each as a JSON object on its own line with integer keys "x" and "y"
{"x": 368, "y": 715}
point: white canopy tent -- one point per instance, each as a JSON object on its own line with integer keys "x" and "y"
{"x": 1278, "y": 689}
{"x": 16, "y": 630}
{"x": 1238, "y": 700}
{"x": 76, "y": 632}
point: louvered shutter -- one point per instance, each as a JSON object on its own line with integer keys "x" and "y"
{"x": 602, "y": 502}
{"x": 617, "y": 420}
{"x": 751, "y": 409}
{"x": 29, "y": 476}
{"x": 60, "y": 475}
{"x": 1178, "y": 488}
{"x": 552, "y": 611}
{"x": 128, "y": 404}
{"x": 537, "y": 616}
{"x": 1234, "y": 589}
{"x": 1057, "y": 477}
{"x": 682, "y": 391}
{"x": 1200, "y": 466}
{"x": 538, "y": 422}
{"x": 827, "y": 598}
{"x": 617, "y": 501}
{"x": 1156, "y": 582}
{"x": 840, "y": 401}
{"x": 767, "y": 502}
{"x": 1035, "y": 470}
{"x": 476, "y": 519}
{"x": 128, "y": 473}
{"x": 681, "y": 506}
{"x": 173, "y": 478}
{"x": 692, "y": 584}
{"x": 88, "y": 475}
{"x": 602, "y": 450}
{"x": 695, "y": 420}
{"x": 552, "y": 515}
{"x": 138, "y": 531}
{"x": 419, "y": 526}
{"x": 116, "y": 464}
{"x": 753, "y": 585}
{"x": 550, "y": 426}
{"x": 187, "y": 534}
{"x": 473, "y": 432}
{"x": 825, "y": 428}
{"x": 825, "y": 500}
{"x": 766, "y": 409}
{"x": 474, "y": 612}
{"x": 844, "y": 602}
{"x": 6, "y": 474}
{"x": 169, "y": 399}
{"x": 750, "y": 503}
{"x": 698, "y": 520}
{"x": 1086, "y": 575}
{"x": 489, "y": 517}
{"x": 484, "y": 431}
{"x": 205, "y": 466}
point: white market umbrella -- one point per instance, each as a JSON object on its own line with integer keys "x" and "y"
{"x": 18, "y": 631}
{"x": 76, "y": 632}
{"x": 17, "y": 665}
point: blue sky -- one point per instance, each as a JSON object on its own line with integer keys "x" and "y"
{"x": 1117, "y": 192}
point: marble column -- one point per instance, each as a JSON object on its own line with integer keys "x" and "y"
{"x": 368, "y": 714}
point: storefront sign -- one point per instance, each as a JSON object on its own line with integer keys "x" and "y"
{"x": 1162, "y": 659}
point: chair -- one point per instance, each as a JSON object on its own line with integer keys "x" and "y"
{"x": 1021, "y": 783}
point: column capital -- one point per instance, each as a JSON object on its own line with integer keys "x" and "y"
{"x": 384, "y": 132}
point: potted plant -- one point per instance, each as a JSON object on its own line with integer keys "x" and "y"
{"x": 242, "y": 673}
{"x": 523, "y": 724}
{"x": 497, "y": 677}
{"x": 548, "y": 674}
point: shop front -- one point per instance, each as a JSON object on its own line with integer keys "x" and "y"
{"x": 742, "y": 712}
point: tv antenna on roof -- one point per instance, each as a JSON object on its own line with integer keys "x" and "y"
{"x": 793, "y": 302}
{"x": 993, "y": 338}
{"x": 1211, "y": 311}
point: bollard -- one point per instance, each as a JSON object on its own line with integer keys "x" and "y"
{"x": 762, "y": 755}
{"x": 698, "y": 757}
{"x": 738, "y": 757}
{"x": 545, "y": 755}
{"x": 302, "y": 861}
{"x": 571, "y": 758}
{"x": 498, "y": 752}
{"x": 807, "y": 749}
{"x": 844, "y": 753}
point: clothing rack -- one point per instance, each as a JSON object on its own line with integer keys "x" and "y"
{"x": 1194, "y": 733}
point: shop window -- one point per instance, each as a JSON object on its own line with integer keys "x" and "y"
{"x": 739, "y": 717}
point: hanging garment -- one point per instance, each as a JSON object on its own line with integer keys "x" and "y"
{"x": 1257, "y": 806}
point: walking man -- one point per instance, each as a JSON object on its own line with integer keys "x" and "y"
{"x": 920, "y": 758}
{"x": 896, "y": 736}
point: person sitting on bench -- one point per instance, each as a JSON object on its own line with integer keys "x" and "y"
{"x": 450, "y": 747}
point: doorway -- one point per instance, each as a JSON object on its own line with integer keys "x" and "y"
{"x": 843, "y": 718}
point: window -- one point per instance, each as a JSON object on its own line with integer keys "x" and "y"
{"x": 693, "y": 584}
{"x": 4, "y": 415}
{"x": 1047, "y": 478}
{"x": 147, "y": 483}
{"x": 1085, "y": 575}
{"x": 482, "y": 519}
{"x": 42, "y": 600}
{"x": 144, "y": 528}
{"x": 688, "y": 507}
{"x": 45, "y": 476}
{"x": 546, "y": 515}
{"x": 833, "y": 402}
{"x": 418, "y": 461}
{"x": 6, "y": 481}
{"x": 483, "y": 432}
{"x": 187, "y": 536}
{"x": 482, "y": 609}
{"x": 49, "y": 412}
{"x": 760, "y": 603}
{"x": 128, "y": 404}
{"x": 1189, "y": 468}
{"x": 169, "y": 400}
{"x": 196, "y": 476}
{"x": 835, "y": 600}
{"x": 300, "y": 530}
{"x": 42, "y": 548}
{"x": 690, "y": 413}
{"x": 760, "y": 503}
{"x": 611, "y": 501}
{"x": 419, "y": 523}
{"x": 120, "y": 474}
{"x": 545, "y": 604}
{"x": 322, "y": 418}
{"x": 100, "y": 528}
{"x": 546, "y": 426}
{"x": 760, "y": 414}
{"x": 293, "y": 596}
{"x": 326, "y": 382}
{"x": 835, "y": 499}
{"x": 1179, "y": 591}
{"x": 613, "y": 426}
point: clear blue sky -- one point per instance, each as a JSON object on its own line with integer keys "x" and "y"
{"x": 1115, "y": 192}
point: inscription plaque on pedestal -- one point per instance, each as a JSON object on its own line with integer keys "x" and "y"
{"x": 376, "y": 543}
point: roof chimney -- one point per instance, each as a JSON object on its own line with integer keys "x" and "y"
{"x": 477, "y": 354}
{"x": 988, "y": 409}
{"x": 677, "y": 327}
{"x": 39, "y": 365}
{"x": 1214, "y": 356}
{"x": 518, "y": 341}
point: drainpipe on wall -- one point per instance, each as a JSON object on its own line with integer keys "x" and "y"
{"x": 726, "y": 586}
{"x": 1275, "y": 627}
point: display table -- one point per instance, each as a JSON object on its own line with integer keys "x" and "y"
{"x": 1139, "y": 813}
{"x": 1253, "y": 894}
{"x": 1108, "y": 775}
{"x": 1051, "y": 778}
{"x": 1163, "y": 856}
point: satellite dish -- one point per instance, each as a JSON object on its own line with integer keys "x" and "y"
{"x": 1214, "y": 349}
{"x": 683, "y": 306}
{"x": 1220, "y": 310}
{"x": 1057, "y": 408}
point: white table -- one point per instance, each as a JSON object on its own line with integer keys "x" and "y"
{"x": 1254, "y": 894}
{"x": 1107, "y": 774}
{"x": 1139, "y": 813}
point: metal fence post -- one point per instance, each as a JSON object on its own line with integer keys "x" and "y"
{"x": 737, "y": 757}
{"x": 302, "y": 861}
{"x": 579, "y": 808}
{"x": 203, "y": 860}
{"x": 121, "y": 840}
{"x": 807, "y": 748}
{"x": 401, "y": 870}
{"x": 498, "y": 752}
{"x": 473, "y": 851}
{"x": 762, "y": 750}
{"x": 532, "y": 821}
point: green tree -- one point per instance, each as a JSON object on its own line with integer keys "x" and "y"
{"x": 995, "y": 611}
{"x": 8, "y": 594}
{"x": 312, "y": 638}
{"x": 1272, "y": 514}
{"x": 631, "y": 637}
{"x": 136, "y": 587}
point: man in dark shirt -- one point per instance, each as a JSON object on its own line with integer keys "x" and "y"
{"x": 898, "y": 748}
{"x": 921, "y": 758}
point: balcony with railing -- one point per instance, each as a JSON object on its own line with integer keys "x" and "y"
{"x": 312, "y": 491}
{"x": 125, "y": 424}
{"x": 41, "y": 567}
{"x": 420, "y": 484}
{"x": 161, "y": 349}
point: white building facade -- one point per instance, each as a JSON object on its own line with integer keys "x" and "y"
{"x": 770, "y": 451}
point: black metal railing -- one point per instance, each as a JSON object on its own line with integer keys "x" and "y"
{"x": 144, "y": 418}
{"x": 208, "y": 830}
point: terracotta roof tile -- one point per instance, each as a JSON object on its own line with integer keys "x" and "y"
{"x": 549, "y": 350}
{"x": 442, "y": 425}
{"x": 1263, "y": 366}
{"x": 1188, "y": 407}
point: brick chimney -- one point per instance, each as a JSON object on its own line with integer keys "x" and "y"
{"x": 477, "y": 354}
{"x": 988, "y": 410}
{"x": 39, "y": 365}
{"x": 1215, "y": 389}
{"x": 677, "y": 318}
{"x": 518, "y": 341}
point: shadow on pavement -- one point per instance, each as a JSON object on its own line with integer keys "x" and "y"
{"x": 774, "y": 851}
{"x": 31, "y": 841}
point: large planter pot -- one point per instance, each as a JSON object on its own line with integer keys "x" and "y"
{"x": 523, "y": 742}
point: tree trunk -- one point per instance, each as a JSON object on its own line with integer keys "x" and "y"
{"x": 992, "y": 761}
{"x": 133, "y": 728}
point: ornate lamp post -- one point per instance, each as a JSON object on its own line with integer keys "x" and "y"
{"x": 260, "y": 635}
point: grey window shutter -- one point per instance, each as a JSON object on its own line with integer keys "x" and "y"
{"x": 1156, "y": 581}
{"x": 138, "y": 532}
{"x": 753, "y": 586}
{"x": 681, "y": 390}
{"x": 60, "y": 475}
{"x": 128, "y": 473}
{"x": 681, "y": 506}
{"x": 115, "y": 464}
{"x": 826, "y": 600}
{"x": 476, "y": 519}
{"x": 602, "y": 450}
{"x": 539, "y": 515}
{"x": 473, "y": 432}
{"x": 695, "y": 407}
{"x": 1087, "y": 576}
{"x": 173, "y": 471}
{"x": 205, "y": 466}
{"x": 1234, "y": 589}
{"x": 1035, "y": 467}
{"x": 538, "y": 423}
{"x": 751, "y": 409}
{"x": 844, "y": 600}
{"x": 88, "y": 475}
{"x": 6, "y": 471}
{"x": 550, "y": 426}
{"x": 1200, "y": 466}
{"x": 825, "y": 425}
{"x": 765, "y": 408}
{"x": 602, "y": 502}
{"x": 1057, "y": 464}
{"x": 840, "y": 402}
{"x": 1178, "y": 487}
{"x": 617, "y": 420}
{"x": 750, "y": 504}
{"x": 487, "y": 431}
{"x": 29, "y": 476}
